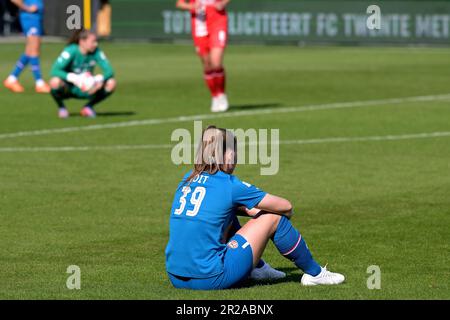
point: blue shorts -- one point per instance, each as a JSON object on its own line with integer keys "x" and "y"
{"x": 31, "y": 27}
{"x": 237, "y": 265}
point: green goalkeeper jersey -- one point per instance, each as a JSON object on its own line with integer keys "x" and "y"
{"x": 71, "y": 60}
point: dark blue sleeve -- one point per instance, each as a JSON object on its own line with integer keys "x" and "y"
{"x": 245, "y": 194}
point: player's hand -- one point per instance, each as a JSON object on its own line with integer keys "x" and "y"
{"x": 97, "y": 86}
{"x": 196, "y": 6}
{"x": 220, "y": 5}
{"x": 255, "y": 213}
{"x": 75, "y": 79}
{"x": 186, "y": 5}
{"x": 32, "y": 9}
{"x": 249, "y": 212}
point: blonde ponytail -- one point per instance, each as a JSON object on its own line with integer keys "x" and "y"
{"x": 210, "y": 155}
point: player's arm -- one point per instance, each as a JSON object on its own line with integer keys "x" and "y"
{"x": 19, "y": 3}
{"x": 186, "y": 5}
{"x": 272, "y": 204}
{"x": 220, "y": 5}
{"x": 105, "y": 65}
{"x": 269, "y": 204}
{"x": 60, "y": 66}
{"x": 256, "y": 201}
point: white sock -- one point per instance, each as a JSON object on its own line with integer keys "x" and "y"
{"x": 11, "y": 78}
{"x": 39, "y": 82}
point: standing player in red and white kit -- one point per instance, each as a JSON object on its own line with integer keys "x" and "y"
{"x": 210, "y": 32}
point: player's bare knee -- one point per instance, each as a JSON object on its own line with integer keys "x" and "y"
{"x": 216, "y": 66}
{"x": 277, "y": 218}
{"x": 289, "y": 207}
{"x": 35, "y": 52}
{"x": 110, "y": 85}
{"x": 206, "y": 65}
{"x": 271, "y": 221}
{"x": 276, "y": 221}
{"x": 55, "y": 83}
{"x": 31, "y": 52}
{"x": 32, "y": 48}
{"x": 272, "y": 218}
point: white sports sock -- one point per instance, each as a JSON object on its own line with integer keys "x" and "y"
{"x": 12, "y": 78}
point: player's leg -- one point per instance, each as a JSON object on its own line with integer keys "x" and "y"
{"x": 208, "y": 76}
{"x": 243, "y": 253}
{"x": 203, "y": 51}
{"x": 32, "y": 50}
{"x": 207, "y": 72}
{"x": 218, "y": 43}
{"x": 217, "y": 55}
{"x": 262, "y": 270}
{"x": 218, "y": 78}
{"x": 100, "y": 95}
{"x": 12, "y": 81}
{"x": 59, "y": 92}
{"x": 257, "y": 232}
{"x": 290, "y": 244}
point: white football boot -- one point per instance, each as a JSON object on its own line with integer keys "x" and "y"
{"x": 266, "y": 272}
{"x": 215, "y": 104}
{"x": 223, "y": 102}
{"x": 324, "y": 277}
{"x": 220, "y": 103}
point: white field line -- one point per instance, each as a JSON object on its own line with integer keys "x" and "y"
{"x": 282, "y": 142}
{"x": 149, "y": 122}
{"x": 86, "y": 148}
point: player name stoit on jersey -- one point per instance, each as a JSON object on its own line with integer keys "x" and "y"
{"x": 200, "y": 179}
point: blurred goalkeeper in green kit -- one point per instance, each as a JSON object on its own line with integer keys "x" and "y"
{"x": 72, "y": 74}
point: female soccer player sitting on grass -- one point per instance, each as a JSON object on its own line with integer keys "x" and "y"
{"x": 210, "y": 34}
{"x": 203, "y": 219}
{"x": 69, "y": 70}
{"x": 30, "y": 15}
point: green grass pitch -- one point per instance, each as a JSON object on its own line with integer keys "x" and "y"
{"x": 357, "y": 203}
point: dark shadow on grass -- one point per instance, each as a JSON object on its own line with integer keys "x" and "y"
{"x": 107, "y": 114}
{"x": 255, "y": 106}
{"x": 292, "y": 275}
{"x": 115, "y": 114}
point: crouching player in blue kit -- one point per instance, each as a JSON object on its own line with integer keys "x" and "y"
{"x": 31, "y": 19}
{"x": 204, "y": 252}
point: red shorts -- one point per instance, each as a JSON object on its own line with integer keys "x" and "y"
{"x": 209, "y": 30}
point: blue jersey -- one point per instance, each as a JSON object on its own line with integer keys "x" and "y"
{"x": 35, "y": 15}
{"x": 201, "y": 211}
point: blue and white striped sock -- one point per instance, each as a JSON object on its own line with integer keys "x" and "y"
{"x": 36, "y": 68}
{"x": 20, "y": 65}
